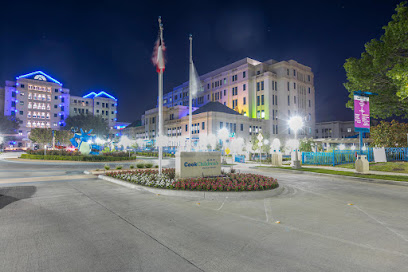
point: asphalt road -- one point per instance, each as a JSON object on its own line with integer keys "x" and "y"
{"x": 53, "y": 218}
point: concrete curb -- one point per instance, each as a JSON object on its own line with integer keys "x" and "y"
{"x": 198, "y": 194}
{"x": 379, "y": 181}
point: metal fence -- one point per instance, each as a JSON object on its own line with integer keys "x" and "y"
{"x": 335, "y": 157}
{"x": 396, "y": 153}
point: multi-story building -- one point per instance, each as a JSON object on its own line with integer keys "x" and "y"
{"x": 246, "y": 96}
{"x": 270, "y": 90}
{"x": 40, "y": 101}
{"x": 335, "y": 129}
{"x": 101, "y": 103}
{"x": 37, "y": 100}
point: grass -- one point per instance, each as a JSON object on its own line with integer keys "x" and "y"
{"x": 396, "y": 167}
{"x": 350, "y": 174}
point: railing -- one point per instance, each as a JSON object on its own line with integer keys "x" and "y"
{"x": 396, "y": 153}
{"x": 239, "y": 158}
{"x": 335, "y": 157}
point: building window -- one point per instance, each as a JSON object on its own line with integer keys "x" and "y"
{"x": 97, "y": 103}
{"x": 310, "y": 103}
{"x": 56, "y": 90}
{"x": 262, "y": 100}
{"x": 62, "y": 100}
{"x": 294, "y": 72}
{"x": 288, "y": 100}
{"x": 287, "y": 71}
{"x": 308, "y": 78}
{"x": 294, "y": 99}
{"x": 221, "y": 125}
{"x": 257, "y": 86}
{"x": 262, "y": 114}
{"x": 288, "y": 86}
{"x": 55, "y": 106}
{"x": 186, "y": 127}
{"x": 244, "y": 102}
{"x": 294, "y": 85}
{"x": 262, "y": 85}
{"x": 234, "y": 91}
{"x": 276, "y": 86}
{"x": 258, "y": 100}
{"x": 242, "y": 127}
{"x": 258, "y": 114}
{"x": 97, "y": 111}
{"x": 348, "y": 129}
{"x": 21, "y": 112}
{"x": 309, "y": 89}
{"x": 203, "y": 125}
{"x": 244, "y": 87}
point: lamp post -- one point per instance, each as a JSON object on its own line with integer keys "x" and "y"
{"x": 296, "y": 123}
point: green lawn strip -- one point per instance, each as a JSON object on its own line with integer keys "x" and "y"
{"x": 344, "y": 173}
{"x": 351, "y": 174}
{"x": 396, "y": 167}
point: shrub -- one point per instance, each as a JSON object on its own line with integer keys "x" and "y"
{"x": 156, "y": 166}
{"x": 231, "y": 182}
{"x": 140, "y": 165}
{"x": 149, "y": 165}
{"x": 119, "y": 167}
{"x": 232, "y": 170}
{"x": 107, "y": 167}
{"x": 131, "y": 166}
{"x": 74, "y": 157}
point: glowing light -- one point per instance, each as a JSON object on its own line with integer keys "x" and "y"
{"x": 353, "y": 147}
{"x": 93, "y": 94}
{"x": 292, "y": 144}
{"x": 42, "y": 73}
{"x": 364, "y": 148}
{"x": 295, "y": 123}
{"x": 342, "y": 147}
{"x": 266, "y": 142}
{"x": 275, "y": 146}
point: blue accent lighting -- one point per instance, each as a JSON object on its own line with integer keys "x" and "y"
{"x": 42, "y": 73}
{"x": 93, "y": 94}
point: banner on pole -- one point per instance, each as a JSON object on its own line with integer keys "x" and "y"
{"x": 361, "y": 113}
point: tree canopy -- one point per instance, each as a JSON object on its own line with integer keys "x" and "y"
{"x": 8, "y": 125}
{"x": 389, "y": 134}
{"x": 88, "y": 122}
{"x": 41, "y": 136}
{"x": 63, "y": 137}
{"x": 383, "y": 69}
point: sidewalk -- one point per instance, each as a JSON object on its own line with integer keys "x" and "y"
{"x": 354, "y": 171}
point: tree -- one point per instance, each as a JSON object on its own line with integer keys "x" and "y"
{"x": 88, "y": 122}
{"x": 265, "y": 147}
{"x": 383, "y": 69}
{"x": 8, "y": 126}
{"x": 305, "y": 145}
{"x": 41, "y": 136}
{"x": 389, "y": 134}
{"x": 63, "y": 137}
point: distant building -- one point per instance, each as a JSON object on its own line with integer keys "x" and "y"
{"x": 102, "y": 104}
{"x": 40, "y": 101}
{"x": 334, "y": 129}
{"x": 270, "y": 90}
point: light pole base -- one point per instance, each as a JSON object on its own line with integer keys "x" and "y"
{"x": 296, "y": 165}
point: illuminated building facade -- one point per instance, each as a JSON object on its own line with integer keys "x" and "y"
{"x": 100, "y": 103}
{"x": 40, "y": 101}
{"x": 270, "y": 90}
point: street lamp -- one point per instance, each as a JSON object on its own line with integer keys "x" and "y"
{"x": 296, "y": 123}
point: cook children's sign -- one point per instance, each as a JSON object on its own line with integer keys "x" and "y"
{"x": 361, "y": 113}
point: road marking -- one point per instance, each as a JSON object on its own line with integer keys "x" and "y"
{"x": 40, "y": 179}
{"x": 266, "y": 212}
{"x": 222, "y": 205}
{"x": 382, "y": 223}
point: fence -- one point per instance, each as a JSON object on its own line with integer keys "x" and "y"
{"x": 239, "y": 158}
{"x": 336, "y": 157}
{"x": 396, "y": 153}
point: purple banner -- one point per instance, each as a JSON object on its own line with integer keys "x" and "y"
{"x": 361, "y": 112}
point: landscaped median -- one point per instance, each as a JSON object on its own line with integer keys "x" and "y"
{"x": 100, "y": 158}
{"x": 231, "y": 185}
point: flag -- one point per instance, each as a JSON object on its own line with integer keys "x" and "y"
{"x": 158, "y": 55}
{"x": 196, "y": 86}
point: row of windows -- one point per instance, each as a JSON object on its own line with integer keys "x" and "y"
{"x": 174, "y": 131}
{"x": 84, "y": 111}
{"x": 39, "y": 124}
{"x": 35, "y": 114}
{"x": 39, "y": 106}
{"x": 260, "y": 100}
{"x": 232, "y": 127}
{"x": 36, "y": 96}
{"x": 254, "y": 129}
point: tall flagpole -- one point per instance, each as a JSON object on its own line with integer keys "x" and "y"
{"x": 190, "y": 96}
{"x": 160, "y": 129}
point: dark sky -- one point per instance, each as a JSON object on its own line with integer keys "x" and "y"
{"x": 107, "y": 45}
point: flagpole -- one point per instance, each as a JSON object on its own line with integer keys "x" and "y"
{"x": 160, "y": 129}
{"x": 190, "y": 96}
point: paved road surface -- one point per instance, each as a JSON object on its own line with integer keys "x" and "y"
{"x": 66, "y": 221}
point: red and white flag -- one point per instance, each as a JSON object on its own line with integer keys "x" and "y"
{"x": 158, "y": 55}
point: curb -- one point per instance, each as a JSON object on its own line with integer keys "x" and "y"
{"x": 198, "y": 194}
{"x": 368, "y": 180}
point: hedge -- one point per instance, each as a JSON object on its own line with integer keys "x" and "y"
{"x": 153, "y": 154}
{"x": 76, "y": 158}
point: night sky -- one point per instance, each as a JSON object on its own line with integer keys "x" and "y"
{"x": 107, "y": 45}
